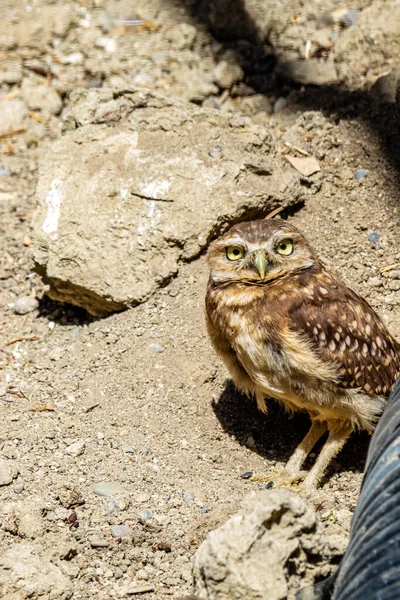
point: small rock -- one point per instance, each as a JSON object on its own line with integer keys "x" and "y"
{"x": 76, "y": 58}
{"x": 134, "y": 589}
{"x": 70, "y": 496}
{"x": 211, "y": 102}
{"x": 226, "y": 74}
{"x": 127, "y": 449}
{"x": 8, "y": 471}
{"x": 310, "y": 72}
{"x": 257, "y": 103}
{"x": 360, "y": 174}
{"x": 12, "y": 115}
{"x": 386, "y": 87}
{"x": 18, "y": 488}
{"x": 156, "y": 348}
{"x": 373, "y": 237}
{"x": 119, "y": 531}
{"x": 322, "y": 38}
{"x": 182, "y": 36}
{"x": 109, "y": 489}
{"x": 4, "y": 172}
{"x": 11, "y": 68}
{"x": 375, "y": 281}
{"x": 43, "y": 98}
{"x": 98, "y": 542}
{"x": 247, "y": 475}
{"x": 75, "y": 449}
{"x": 145, "y": 514}
{"x": 66, "y": 551}
{"x": 142, "y": 498}
{"x": 25, "y": 305}
{"x": 3, "y": 389}
{"x": 188, "y": 497}
{"x": 279, "y": 104}
{"x": 349, "y": 18}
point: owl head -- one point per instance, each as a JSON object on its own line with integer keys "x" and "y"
{"x": 258, "y": 252}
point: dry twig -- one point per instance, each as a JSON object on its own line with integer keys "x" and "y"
{"x": 22, "y": 338}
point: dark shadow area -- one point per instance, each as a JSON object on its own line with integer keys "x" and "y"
{"x": 64, "y": 314}
{"x": 275, "y": 436}
{"x": 228, "y": 22}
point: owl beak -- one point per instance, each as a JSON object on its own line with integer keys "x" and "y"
{"x": 261, "y": 265}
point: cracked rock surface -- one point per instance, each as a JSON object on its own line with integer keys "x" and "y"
{"x": 272, "y": 544}
{"x": 139, "y": 183}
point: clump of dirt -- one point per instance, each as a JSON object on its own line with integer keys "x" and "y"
{"x": 122, "y": 444}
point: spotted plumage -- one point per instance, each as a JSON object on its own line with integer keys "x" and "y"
{"x": 288, "y": 328}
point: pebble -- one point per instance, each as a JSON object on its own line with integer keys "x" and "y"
{"x": 145, "y": 514}
{"x": 373, "y": 236}
{"x": 279, "y": 104}
{"x": 3, "y": 389}
{"x": 188, "y": 497}
{"x": 127, "y": 449}
{"x": 349, "y": 18}
{"x": 375, "y": 281}
{"x": 156, "y": 348}
{"x": 7, "y": 283}
{"x": 360, "y": 174}
{"x": 19, "y": 488}
{"x": 119, "y": 531}
{"x": 225, "y": 74}
{"x": 8, "y": 471}
{"x": 4, "y": 172}
{"x": 133, "y": 589}
{"x": 75, "y": 449}
{"x": 97, "y": 542}
{"x": 247, "y": 475}
{"x": 204, "y": 510}
{"x": 25, "y": 305}
{"x": 142, "y": 498}
{"x": 108, "y": 488}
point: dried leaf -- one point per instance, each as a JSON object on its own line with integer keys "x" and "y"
{"x": 306, "y": 166}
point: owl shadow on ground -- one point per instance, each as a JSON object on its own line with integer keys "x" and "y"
{"x": 275, "y": 436}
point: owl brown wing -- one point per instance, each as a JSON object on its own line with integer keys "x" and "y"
{"x": 349, "y": 333}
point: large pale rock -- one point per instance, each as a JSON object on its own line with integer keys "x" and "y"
{"x": 139, "y": 183}
{"x": 8, "y": 471}
{"x": 24, "y": 518}
{"x": 271, "y": 546}
{"x": 25, "y": 573}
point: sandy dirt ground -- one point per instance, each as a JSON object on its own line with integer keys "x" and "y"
{"x": 139, "y": 398}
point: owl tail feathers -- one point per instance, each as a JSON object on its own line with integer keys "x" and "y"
{"x": 366, "y": 411}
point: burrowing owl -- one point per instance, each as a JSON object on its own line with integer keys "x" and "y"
{"x": 288, "y": 328}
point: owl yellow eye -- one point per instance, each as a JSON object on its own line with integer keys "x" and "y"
{"x": 234, "y": 252}
{"x": 285, "y": 247}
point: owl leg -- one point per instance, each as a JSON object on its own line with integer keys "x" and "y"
{"x": 335, "y": 442}
{"x": 295, "y": 462}
{"x": 291, "y": 472}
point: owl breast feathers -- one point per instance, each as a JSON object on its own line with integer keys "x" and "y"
{"x": 288, "y": 328}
